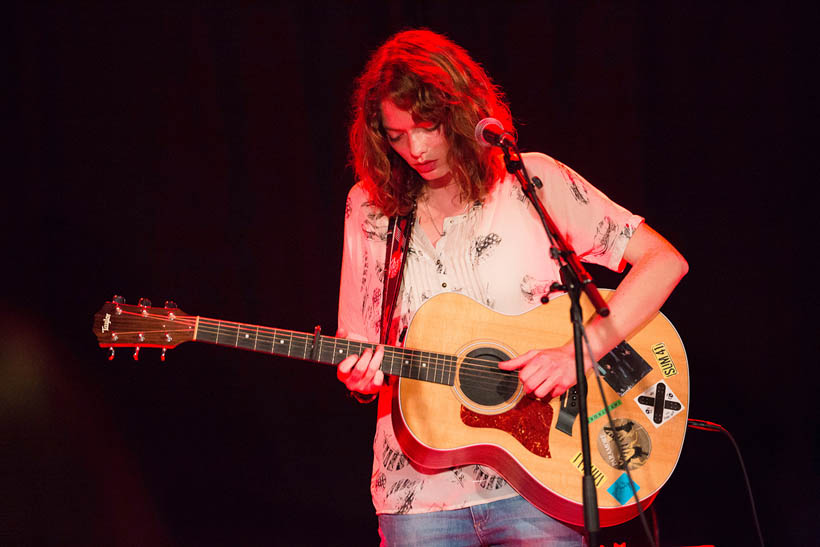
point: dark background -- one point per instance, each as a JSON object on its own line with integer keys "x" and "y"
{"x": 199, "y": 154}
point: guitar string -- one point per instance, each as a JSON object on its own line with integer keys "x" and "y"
{"x": 478, "y": 372}
{"x": 268, "y": 334}
{"x": 435, "y": 358}
{"x": 480, "y": 367}
{"x": 480, "y": 375}
{"x": 471, "y": 367}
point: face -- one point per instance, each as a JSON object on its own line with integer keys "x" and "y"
{"x": 421, "y": 144}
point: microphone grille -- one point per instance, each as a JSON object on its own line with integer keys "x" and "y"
{"x": 481, "y": 126}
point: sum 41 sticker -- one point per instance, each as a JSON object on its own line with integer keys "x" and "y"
{"x": 659, "y": 403}
{"x": 664, "y": 360}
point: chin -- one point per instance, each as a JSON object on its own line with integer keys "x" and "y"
{"x": 435, "y": 176}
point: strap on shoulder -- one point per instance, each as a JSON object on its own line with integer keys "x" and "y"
{"x": 397, "y": 245}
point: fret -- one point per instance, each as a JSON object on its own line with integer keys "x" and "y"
{"x": 425, "y": 366}
{"x": 451, "y": 367}
{"x": 226, "y": 333}
{"x": 338, "y": 352}
{"x": 246, "y": 337}
{"x": 327, "y": 350}
{"x": 389, "y": 364}
{"x": 447, "y": 368}
{"x": 346, "y": 350}
{"x": 435, "y": 365}
{"x": 325, "y": 354}
{"x": 204, "y": 332}
{"x": 424, "y": 362}
{"x": 300, "y": 344}
{"x": 281, "y": 343}
{"x": 421, "y": 364}
{"x": 404, "y": 366}
{"x": 389, "y": 361}
{"x": 264, "y": 342}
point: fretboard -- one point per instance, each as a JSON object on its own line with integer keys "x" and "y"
{"x": 427, "y": 366}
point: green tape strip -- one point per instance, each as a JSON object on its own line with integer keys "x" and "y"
{"x": 602, "y": 412}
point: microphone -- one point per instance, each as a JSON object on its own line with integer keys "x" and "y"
{"x": 490, "y": 132}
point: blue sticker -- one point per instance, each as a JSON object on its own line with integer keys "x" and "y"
{"x": 620, "y": 489}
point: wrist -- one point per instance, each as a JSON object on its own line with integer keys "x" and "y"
{"x": 363, "y": 398}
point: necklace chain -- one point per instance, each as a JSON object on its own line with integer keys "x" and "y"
{"x": 433, "y": 220}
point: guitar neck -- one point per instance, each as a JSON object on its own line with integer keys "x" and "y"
{"x": 414, "y": 364}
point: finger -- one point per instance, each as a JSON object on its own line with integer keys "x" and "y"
{"x": 344, "y": 368}
{"x": 341, "y": 333}
{"x": 374, "y": 372}
{"x": 353, "y": 377}
{"x": 517, "y": 362}
{"x": 556, "y": 391}
{"x": 531, "y": 371}
{"x": 536, "y": 380}
{"x": 363, "y": 363}
{"x": 544, "y": 389}
{"x": 553, "y": 386}
{"x": 378, "y": 355}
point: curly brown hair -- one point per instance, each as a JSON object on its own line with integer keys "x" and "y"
{"x": 435, "y": 80}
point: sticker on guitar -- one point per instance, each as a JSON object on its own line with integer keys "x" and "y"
{"x": 633, "y": 440}
{"x": 659, "y": 404}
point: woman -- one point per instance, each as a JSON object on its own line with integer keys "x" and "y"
{"x": 416, "y": 107}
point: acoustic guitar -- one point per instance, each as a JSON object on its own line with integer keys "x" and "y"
{"x": 452, "y": 405}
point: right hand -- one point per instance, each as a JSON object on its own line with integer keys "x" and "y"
{"x": 361, "y": 373}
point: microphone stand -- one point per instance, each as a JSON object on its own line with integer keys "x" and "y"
{"x": 574, "y": 279}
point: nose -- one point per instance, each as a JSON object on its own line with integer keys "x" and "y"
{"x": 417, "y": 145}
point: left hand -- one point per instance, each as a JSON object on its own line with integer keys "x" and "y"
{"x": 545, "y": 372}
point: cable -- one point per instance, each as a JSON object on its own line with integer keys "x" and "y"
{"x": 703, "y": 425}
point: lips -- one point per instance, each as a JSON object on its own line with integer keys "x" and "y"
{"x": 425, "y": 167}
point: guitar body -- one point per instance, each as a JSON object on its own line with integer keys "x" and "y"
{"x": 486, "y": 417}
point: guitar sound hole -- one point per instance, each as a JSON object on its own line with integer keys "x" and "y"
{"x": 482, "y": 381}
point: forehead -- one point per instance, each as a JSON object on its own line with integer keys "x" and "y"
{"x": 394, "y": 117}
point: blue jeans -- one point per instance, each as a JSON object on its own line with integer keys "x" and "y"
{"x": 512, "y": 521}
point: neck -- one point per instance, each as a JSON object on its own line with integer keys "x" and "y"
{"x": 443, "y": 196}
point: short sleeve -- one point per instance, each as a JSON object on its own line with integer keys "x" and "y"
{"x": 596, "y": 227}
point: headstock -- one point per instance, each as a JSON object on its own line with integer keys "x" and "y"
{"x": 118, "y": 325}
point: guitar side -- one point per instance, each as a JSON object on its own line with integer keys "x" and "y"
{"x": 442, "y": 426}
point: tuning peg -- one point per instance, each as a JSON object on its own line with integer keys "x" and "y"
{"x": 162, "y": 357}
{"x": 117, "y": 299}
{"x": 111, "y": 355}
{"x": 144, "y": 302}
{"x": 137, "y": 354}
{"x": 170, "y": 304}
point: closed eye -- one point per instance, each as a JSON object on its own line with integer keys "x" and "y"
{"x": 427, "y": 128}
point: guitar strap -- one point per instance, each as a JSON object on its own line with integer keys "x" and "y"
{"x": 398, "y": 243}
